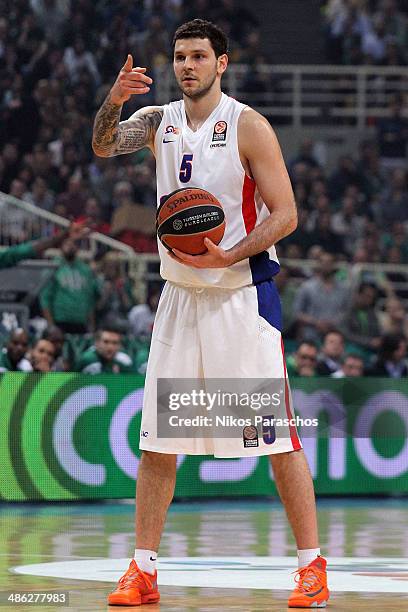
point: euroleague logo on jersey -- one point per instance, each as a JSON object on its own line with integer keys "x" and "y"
{"x": 219, "y": 134}
{"x": 169, "y": 132}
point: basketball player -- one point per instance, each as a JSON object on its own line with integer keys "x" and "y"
{"x": 219, "y": 313}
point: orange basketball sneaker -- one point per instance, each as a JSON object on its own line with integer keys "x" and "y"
{"x": 311, "y": 586}
{"x": 135, "y": 588}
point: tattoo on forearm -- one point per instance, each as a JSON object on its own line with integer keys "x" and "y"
{"x": 106, "y": 127}
{"x": 113, "y": 138}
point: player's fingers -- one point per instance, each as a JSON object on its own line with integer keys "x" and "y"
{"x": 183, "y": 256}
{"x": 135, "y": 90}
{"x": 138, "y": 69}
{"x": 210, "y": 245}
{"x": 130, "y": 83}
{"x": 137, "y": 76}
{"x": 171, "y": 254}
{"x": 133, "y": 84}
{"x": 128, "y": 64}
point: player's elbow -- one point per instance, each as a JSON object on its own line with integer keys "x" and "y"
{"x": 100, "y": 152}
{"x": 293, "y": 221}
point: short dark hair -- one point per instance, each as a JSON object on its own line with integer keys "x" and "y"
{"x": 111, "y": 329}
{"x": 364, "y": 285}
{"x": 200, "y": 28}
{"x": 352, "y": 355}
{"x": 333, "y": 331}
{"x": 311, "y": 343}
{"x": 389, "y": 344}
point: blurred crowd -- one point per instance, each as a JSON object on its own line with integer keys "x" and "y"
{"x": 86, "y": 319}
{"x": 350, "y": 220}
{"x": 340, "y": 328}
{"x": 373, "y": 32}
{"x": 58, "y": 59}
{"x": 359, "y": 210}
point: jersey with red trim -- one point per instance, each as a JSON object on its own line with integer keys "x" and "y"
{"x": 209, "y": 158}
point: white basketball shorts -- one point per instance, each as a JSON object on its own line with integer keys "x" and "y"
{"x": 213, "y": 333}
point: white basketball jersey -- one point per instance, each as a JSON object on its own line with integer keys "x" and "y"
{"x": 209, "y": 158}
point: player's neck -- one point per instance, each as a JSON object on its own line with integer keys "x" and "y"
{"x": 197, "y": 111}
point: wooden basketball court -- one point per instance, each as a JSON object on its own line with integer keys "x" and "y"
{"x": 221, "y": 548}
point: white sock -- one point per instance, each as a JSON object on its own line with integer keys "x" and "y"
{"x": 146, "y": 560}
{"x": 307, "y": 555}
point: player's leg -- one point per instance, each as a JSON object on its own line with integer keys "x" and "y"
{"x": 174, "y": 353}
{"x": 156, "y": 480}
{"x": 256, "y": 353}
{"x": 295, "y": 487}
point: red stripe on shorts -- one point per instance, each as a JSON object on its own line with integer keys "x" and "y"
{"x": 292, "y": 428}
{"x": 248, "y": 204}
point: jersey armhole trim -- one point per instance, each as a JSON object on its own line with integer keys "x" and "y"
{"x": 239, "y": 162}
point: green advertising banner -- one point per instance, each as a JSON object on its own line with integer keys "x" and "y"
{"x": 70, "y": 436}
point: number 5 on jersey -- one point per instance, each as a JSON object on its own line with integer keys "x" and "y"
{"x": 186, "y": 167}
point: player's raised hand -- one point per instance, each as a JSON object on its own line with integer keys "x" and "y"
{"x": 130, "y": 81}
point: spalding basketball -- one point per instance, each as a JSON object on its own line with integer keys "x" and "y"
{"x": 187, "y": 216}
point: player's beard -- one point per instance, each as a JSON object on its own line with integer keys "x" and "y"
{"x": 200, "y": 92}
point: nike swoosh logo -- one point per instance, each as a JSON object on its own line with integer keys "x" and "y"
{"x": 164, "y": 141}
{"x": 315, "y": 593}
{"x": 153, "y": 559}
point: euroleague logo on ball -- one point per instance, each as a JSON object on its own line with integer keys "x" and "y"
{"x": 177, "y": 225}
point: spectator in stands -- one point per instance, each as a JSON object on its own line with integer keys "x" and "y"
{"x": 40, "y": 195}
{"x": 352, "y": 366}
{"x": 52, "y": 15}
{"x": 106, "y": 355}
{"x": 42, "y": 356}
{"x": 374, "y": 41}
{"x": 344, "y": 175}
{"x": 320, "y": 204}
{"x": 306, "y": 155}
{"x": 321, "y": 301}
{"x": 13, "y": 355}
{"x": 331, "y": 354}
{"x": 391, "y": 360}
{"x": 303, "y": 361}
{"x": 356, "y": 34}
{"x": 323, "y": 236}
{"x": 116, "y": 297}
{"x": 392, "y": 136}
{"x": 135, "y": 225}
{"x": 394, "y": 319}
{"x": 141, "y": 317}
{"x": 11, "y": 164}
{"x": 93, "y": 217}
{"x": 393, "y": 204}
{"x": 361, "y": 324}
{"x": 348, "y": 225}
{"x": 74, "y": 199}
{"x": 69, "y": 298}
{"x": 31, "y": 250}
{"x": 395, "y": 22}
{"x": 77, "y": 59}
{"x": 55, "y": 335}
{"x": 144, "y": 186}
{"x": 397, "y": 237}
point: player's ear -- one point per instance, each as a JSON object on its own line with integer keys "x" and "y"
{"x": 222, "y": 63}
